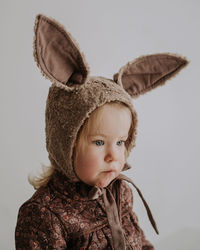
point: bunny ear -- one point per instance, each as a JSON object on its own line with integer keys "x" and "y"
{"x": 148, "y": 72}
{"x": 57, "y": 54}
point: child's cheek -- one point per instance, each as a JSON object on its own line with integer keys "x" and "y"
{"x": 93, "y": 156}
{"x": 92, "y": 163}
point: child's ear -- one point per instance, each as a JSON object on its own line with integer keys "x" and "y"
{"x": 57, "y": 54}
{"x": 148, "y": 72}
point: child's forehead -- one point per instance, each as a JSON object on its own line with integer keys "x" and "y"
{"x": 109, "y": 110}
{"x": 109, "y": 120}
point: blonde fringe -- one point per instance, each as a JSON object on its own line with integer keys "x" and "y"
{"x": 42, "y": 179}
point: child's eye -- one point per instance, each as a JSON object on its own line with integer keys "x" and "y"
{"x": 98, "y": 142}
{"x": 119, "y": 143}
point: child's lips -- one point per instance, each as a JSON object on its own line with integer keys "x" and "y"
{"x": 110, "y": 170}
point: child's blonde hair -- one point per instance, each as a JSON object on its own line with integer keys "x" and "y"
{"x": 47, "y": 171}
{"x": 42, "y": 179}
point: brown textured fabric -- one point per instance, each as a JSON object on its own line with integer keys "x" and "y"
{"x": 74, "y": 94}
{"x": 58, "y": 216}
{"x": 62, "y": 216}
{"x": 66, "y": 112}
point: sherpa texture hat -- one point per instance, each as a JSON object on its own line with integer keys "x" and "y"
{"x": 74, "y": 94}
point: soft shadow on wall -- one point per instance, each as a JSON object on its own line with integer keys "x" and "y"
{"x": 185, "y": 239}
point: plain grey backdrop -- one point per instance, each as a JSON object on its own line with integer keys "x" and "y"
{"x": 166, "y": 160}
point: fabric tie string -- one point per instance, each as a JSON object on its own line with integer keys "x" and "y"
{"x": 150, "y": 216}
{"x": 112, "y": 211}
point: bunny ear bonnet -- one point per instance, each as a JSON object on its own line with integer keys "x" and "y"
{"x": 74, "y": 94}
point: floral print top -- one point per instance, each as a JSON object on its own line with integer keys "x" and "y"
{"x": 61, "y": 215}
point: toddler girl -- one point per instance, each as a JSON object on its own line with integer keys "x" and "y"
{"x": 83, "y": 201}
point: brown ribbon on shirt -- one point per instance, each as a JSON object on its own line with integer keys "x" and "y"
{"x": 112, "y": 212}
{"x": 153, "y": 223}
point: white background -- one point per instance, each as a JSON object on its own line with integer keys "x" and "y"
{"x": 166, "y": 159}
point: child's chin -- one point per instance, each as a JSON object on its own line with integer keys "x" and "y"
{"x": 105, "y": 182}
{"x": 102, "y": 185}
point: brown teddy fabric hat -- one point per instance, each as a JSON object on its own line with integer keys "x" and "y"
{"x": 74, "y": 95}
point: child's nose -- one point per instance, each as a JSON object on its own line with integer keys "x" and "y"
{"x": 111, "y": 154}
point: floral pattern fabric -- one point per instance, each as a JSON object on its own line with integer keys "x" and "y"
{"x": 61, "y": 216}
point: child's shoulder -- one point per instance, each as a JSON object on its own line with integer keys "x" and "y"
{"x": 40, "y": 199}
{"x": 37, "y": 222}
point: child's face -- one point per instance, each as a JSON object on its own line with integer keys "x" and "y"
{"x": 102, "y": 154}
